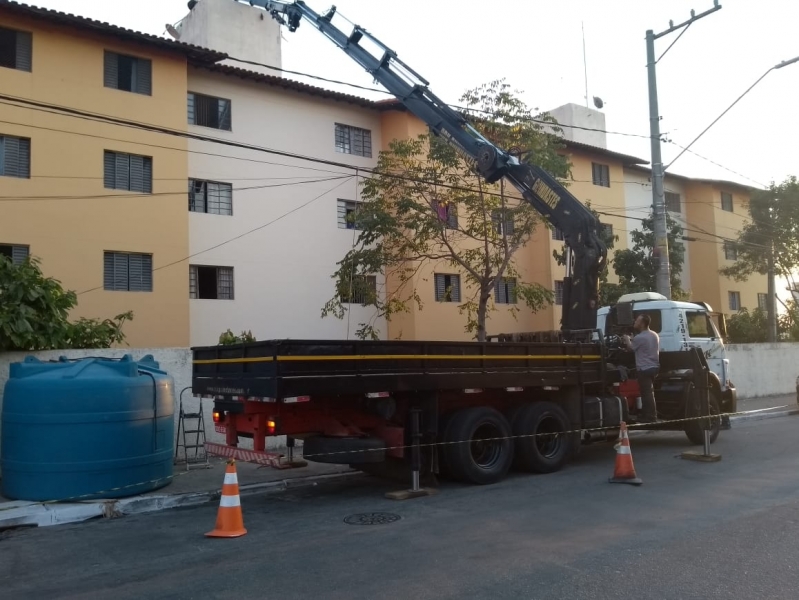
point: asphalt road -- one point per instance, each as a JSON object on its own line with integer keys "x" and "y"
{"x": 725, "y": 530}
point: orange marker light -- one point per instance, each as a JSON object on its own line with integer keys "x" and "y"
{"x": 217, "y": 417}
{"x": 271, "y": 426}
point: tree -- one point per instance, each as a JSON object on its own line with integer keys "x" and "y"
{"x": 636, "y": 267}
{"x": 425, "y": 205}
{"x": 747, "y": 328}
{"x": 34, "y": 313}
{"x": 609, "y": 238}
{"x": 773, "y": 230}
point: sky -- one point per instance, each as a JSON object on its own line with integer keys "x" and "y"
{"x": 537, "y": 48}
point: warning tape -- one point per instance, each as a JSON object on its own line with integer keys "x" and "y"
{"x": 429, "y": 445}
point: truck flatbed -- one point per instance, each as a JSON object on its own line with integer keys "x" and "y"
{"x": 289, "y": 368}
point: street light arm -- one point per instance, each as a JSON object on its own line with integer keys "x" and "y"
{"x": 784, "y": 63}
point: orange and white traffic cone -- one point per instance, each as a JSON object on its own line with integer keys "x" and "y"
{"x": 624, "y": 471}
{"x": 229, "y": 520}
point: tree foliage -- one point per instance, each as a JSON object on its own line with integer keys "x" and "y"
{"x": 34, "y": 312}
{"x": 636, "y": 267}
{"x": 426, "y": 206}
{"x": 609, "y": 238}
{"x": 774, "y": 219}
{"x": 228, "y": 338}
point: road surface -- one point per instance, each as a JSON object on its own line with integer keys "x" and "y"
{"x": 725, "y": 530}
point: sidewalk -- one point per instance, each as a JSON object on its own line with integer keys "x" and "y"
{"x": 188, "y": 488}
{"x": 201, "y": 486}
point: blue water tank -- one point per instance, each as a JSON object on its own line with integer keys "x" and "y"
{"x": 86, "y": 429}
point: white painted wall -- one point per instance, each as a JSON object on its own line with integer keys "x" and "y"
{"x": 282, "y": 272}
{"x": 764, "y": 369}
{"x": 581, "y": 116}
{"x": 239, "y": 30}
{"x": 638, "y": 201}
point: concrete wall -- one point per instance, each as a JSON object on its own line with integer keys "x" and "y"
{"x": 237, "y": 29}
{"x": 764, "y": 369}
{"x": 591, "y": 121}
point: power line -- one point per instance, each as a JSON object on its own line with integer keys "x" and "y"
{"x": 157, "y": 194}
{"x": 453, "y": 106}
{"x": 238, "y": 237}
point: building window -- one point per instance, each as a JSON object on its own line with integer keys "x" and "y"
{"x": 673, "y": 203}
{"x": 448, "y": 288}
{"x": 735, "y": 300}
{"x": 447, "y": 212}
{"x": 15, "y": 253}
{"x": 606, "y": 229}
{"x": 208, "y": 111}
{"x": 502, "y": 226}
{"x": 726, "y": 201}
{"x": 347, "y": 210}
{"x": 16, "y": 49}
{"x": 557, "y": 234}
{"x": 559, "y": 293}
{"x": 730, "y": 251}
{"x": 128, "y": 172}
{"x": 762, "y": 301}
{"x": 505, "y": 291}
{"x": 353, "y": 140}
{"x": 210, "y": 197}
{"x": 364, "y": 289}
{"x": 210, "y": 283}
{"x": 15, "y": 157}
{"x": 600, "y": 174}
{"x": 128, "y": 73}
{"x": 127, "y": 272}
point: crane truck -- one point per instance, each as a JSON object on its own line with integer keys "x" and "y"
{"x": 479, "y": 408}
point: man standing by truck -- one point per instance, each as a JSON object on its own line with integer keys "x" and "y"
{"x": 646, "y": 345}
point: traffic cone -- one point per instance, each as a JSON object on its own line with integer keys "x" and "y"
{"x": 229, "y": 520}
{"x": 624, "y": 472}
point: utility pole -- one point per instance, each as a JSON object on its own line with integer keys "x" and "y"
{"x": 772, "y": 297}
{"x": 661, "y": 247}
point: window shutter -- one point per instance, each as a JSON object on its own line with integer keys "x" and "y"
{"x": 109, "y": 166}
{"x": 111, "y": 70}
{"x": 136, "y": 173}
{"x": 190, "y": 106}
{"x": 24, "y": 158}
{"x": 455, "y": 282}
{"x": 511, "y": 291}
{"x": 144, "y": 76}
{"x": 135, "y": 272}
{"x": 224, "y": 114}
{"x": 224, "y": 283}
{"x": 147, "y": 272}
{"x": 19, "y": 254}
{"x": 148, "y": 175}
{"x": 108, "y": 271}
{"x": 122, "y": 172}
{"x": 440, "y": 288}
{"x": 192, "y": 282}
{"x": 15, "y": 157}
{"x": 24, "y": 51}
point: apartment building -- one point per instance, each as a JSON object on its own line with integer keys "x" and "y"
{"x": 712, "y": 213}
{"x": 102, "y": 205}
{"x": 268, "y": 214}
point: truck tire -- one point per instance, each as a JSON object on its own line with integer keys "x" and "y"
{"x": 480, "y": 457}
{"x": 542, "y": 454}
{"x": 694, "y": 430}
{"x": 344, "y": 450}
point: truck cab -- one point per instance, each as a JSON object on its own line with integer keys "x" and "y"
{"x": 680, "y": 325}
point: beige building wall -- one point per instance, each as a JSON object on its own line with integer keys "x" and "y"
{"x": 64, "y": 213}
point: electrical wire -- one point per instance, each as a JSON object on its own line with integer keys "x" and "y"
{"x": 240, "y": 236}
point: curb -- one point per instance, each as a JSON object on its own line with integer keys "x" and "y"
{"x": 33, "y": 514}
{"x": 764, "y": 416}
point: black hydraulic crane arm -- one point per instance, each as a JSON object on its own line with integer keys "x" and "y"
{"x": 549, "y": 197}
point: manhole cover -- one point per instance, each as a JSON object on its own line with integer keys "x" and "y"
{"x": 375, "y": 518}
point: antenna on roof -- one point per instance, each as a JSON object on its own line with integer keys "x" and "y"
{"x": 585, "y": 65}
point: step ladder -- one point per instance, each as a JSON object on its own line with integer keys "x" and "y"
{"x": 191, "y": 437}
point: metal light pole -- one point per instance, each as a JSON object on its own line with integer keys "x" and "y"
{"x": 661, "y": 248}
{"x": 771, "y": 303}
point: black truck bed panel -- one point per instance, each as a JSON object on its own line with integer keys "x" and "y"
{"x": 286, "y": 368}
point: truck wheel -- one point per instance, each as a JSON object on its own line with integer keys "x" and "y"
{"x": 550, "y": 449}
{"x": 480, "y": 457}
{"x": 695, "y": 430}
{"x": 344, "y": 450}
